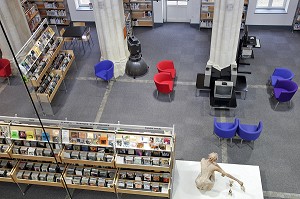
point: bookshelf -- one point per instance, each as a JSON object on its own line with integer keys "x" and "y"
{"x": 207, "y": 13}
{"x": 55, "y": 11}
{"x": 89, "y": 155}
{"x": 141, "y": 12}
{"x": 32, "y": 14}
{"x": 296, "y": 22}
{"x": 45, "y": 66}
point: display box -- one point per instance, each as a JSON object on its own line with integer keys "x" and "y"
{"x": 37, "y": 166}
{"x": 109, "y": 183}
{"x": 103, "y": 173}
{"x": 27, "y": 175}
{"x": 39, "y": 152}
{"x": 31, "y": 151}
{"x": 35, "y": 176}
{"x": 95, "y": 172}
{"x": 85, "y": 180}
{"x": 83, "y": 155}
{"x": 93, "y": 181}
{"x": 78, "y": 171}
{"x": 45, "y": 167}
{"x": 20, "y": 174}
{"x": 77, "y": 180}
{"x": 75, "y": 155}
{"x": 92, "y": 156}
{"x": 101, "y": 182}
{"x": 87, "y": 171}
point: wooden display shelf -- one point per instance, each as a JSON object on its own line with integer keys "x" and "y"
{"x": 45, "y": 97}
{"x": 143, "y": 23}
{"x": 144, "y": 167}
{"x": 141, "y": 9}
{"x": 32, "y": 16}
{"x": 139, "y": 1}
{"x": 89, "y": 187}
{"x": 145, "y": 149}
{"x": 32, "y": 157}
{"x": 6, "y": 179}
{"x": 35, "y": 26}
{"x": 36, "y": 182}
{"x": 87, "y": 162}
{"x": 70, "y": 62}
{"x": 7, "y": 153}
{"x": 54, "y": 16}
{"x": 142, "y": 192}
{"x": 49, "y": 62}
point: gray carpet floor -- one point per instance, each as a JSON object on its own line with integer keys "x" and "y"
{"x": 131, "y": 101}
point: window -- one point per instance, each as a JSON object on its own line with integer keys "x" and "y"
{"x": 84, "y": 3}
{"x": 271, "y": 4}
{"x": 177, "y": 3}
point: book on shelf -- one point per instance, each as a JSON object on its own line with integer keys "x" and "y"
{"x": 14, "y": 134}
{"x": 30, "y": 135}
{"x": 65, "y": 136}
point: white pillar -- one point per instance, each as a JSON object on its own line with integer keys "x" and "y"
{"x": 110, "y": 24}
{"x": 13, "y": 19}
{"x": 225, "y": 33}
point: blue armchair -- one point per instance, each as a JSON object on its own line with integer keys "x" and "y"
{"x": 249, "y": 132}
{"x": 284, "y": 90}
{"x": 225, "y": 129}
{"x": 104, "y": 70}
{"x": 281, "y": 73}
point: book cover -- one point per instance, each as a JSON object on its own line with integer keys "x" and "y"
{"x": 74, "y": 137}
{"x": 103, "y": 139}
{"x": 38, "y": 134}
{"x": 14, "y": 134}
{"x": 55, "y": 136}
{"x": 22, "y": 134}
{"x": 111, "y": 139}
{"x": 30, "y": 135}
{"x": 82, "y": 137}
{"x": 4, "y": 131}
{"x": 89, "y": 138}
{"x": 45, "y": 135}
{"x": 65, "y": 136}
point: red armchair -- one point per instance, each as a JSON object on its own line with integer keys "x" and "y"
{"x": 167, "y": 66}
{"x": 5, "y": 70}
{"x": 164, "y": 83}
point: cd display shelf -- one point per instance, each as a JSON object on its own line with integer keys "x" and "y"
{"x": 32, "y": 15}
{"x": 296, "y": 22}
{"x": 207, "y": 13}
{"x": 117, "y": 158}
{"x": 46, "y": 65}
{"x": 141, "y": 12}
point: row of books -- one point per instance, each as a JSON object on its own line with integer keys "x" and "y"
{"x": 34, "y": 151}
{"x": 139, "y": 152}
{"x": 41, "y": 167}
{"x": 88, "y": 171}
{"x": 92, "y": 156}
{"x": 92, "y": 181}
{"x": 29, "y": 175}
{"x": 6, "y": 167}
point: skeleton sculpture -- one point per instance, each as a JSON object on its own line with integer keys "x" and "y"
{"x": 206, "y": 179}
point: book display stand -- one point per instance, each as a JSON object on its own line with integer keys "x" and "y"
{"x": 32, "y": 14}
{"x": 45, "y": 66}
{"x": 115, "y": 158}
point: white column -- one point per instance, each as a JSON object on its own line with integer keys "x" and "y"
{"x": 13, "y": 19}
{"x": 225, "y": 33}
{"x": 110, "y": 24}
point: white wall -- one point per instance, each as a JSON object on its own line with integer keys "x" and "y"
{"x": 271, "y": 19}
{"x": 79, "y": 15}
{"x": 158, "y": 11}
{"x": 194, "y": 11}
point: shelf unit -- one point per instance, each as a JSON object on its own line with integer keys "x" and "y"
{"x": 207, "y": 13}
{"x": 88, "y": 174}
{"x": 6, "y": 169}
{"x": 46, "y": 65}
{"x": 26, "y": 175}
{"x": 56, "y": 11}
{"x": 84, "y": 146}
{"x": 296, "y": 22}
{"x": 32, "y": 14}
{"x": 141, "y": 12}
{"x": 143, "y": 183}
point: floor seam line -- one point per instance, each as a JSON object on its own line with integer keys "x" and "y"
{"x": 103, "y": 102}
{"x": 224, "y": 149}
{"x": 274, "y": 194}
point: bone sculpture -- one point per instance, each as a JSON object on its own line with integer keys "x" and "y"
{"x": 206, "y": 179}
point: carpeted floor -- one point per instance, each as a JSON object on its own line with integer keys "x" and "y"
{"x": 131, "y": 101}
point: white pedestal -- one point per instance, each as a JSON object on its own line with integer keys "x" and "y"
{"x": 186, "y": 172}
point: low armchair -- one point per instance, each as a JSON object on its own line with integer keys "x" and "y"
{"x": 164, "y": 83}
{"x": 167, "y": 66}
{"x": 104, "y": 70}
{"x": 225, "y": 129}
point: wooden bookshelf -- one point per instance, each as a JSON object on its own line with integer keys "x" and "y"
{"x": 141, "y": 12}
{"x": 59, "y": 9}
{"x": 7, "y": 153}
{"x": 32, "y": 14}
{"x": 207, "y": 13}
{"x": 8, "y": 178}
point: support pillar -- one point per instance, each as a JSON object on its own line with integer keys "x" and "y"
{"x": 110, "y": 24}
{"x": 16, "y": 27}
{"x": 225, "y": 34}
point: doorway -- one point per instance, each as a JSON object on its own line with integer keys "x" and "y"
{"x": 177, "y": 11}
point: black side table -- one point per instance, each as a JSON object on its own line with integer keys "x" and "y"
{"x": 241, "y": 85}
{"x": 200, "y": 84}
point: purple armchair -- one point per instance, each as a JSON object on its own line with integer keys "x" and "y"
{"x": 249, "y": 132}
{"x": 284, "y": 90}
{"x": 281, "y": 73}
{"x": 225, "y": 129}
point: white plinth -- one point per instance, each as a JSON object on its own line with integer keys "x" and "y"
{"x": 186, "y": 172}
